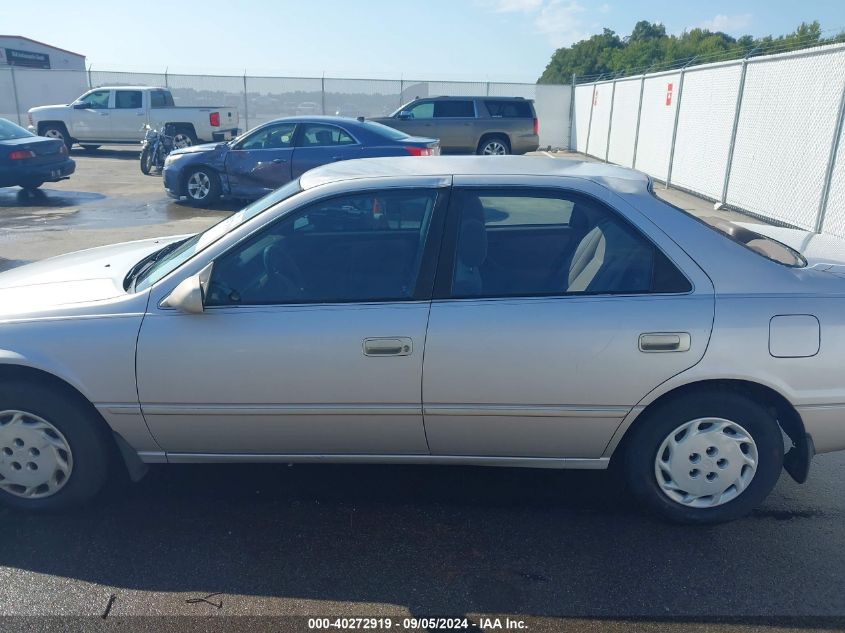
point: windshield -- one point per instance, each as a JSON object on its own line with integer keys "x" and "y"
{"x": 143, "y": 276}
{"x": 9, "y": 131}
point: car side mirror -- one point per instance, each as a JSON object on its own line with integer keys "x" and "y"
{"x": 405, "y": 115}
{"x": 189, "y": 295}
{"x": 79, "y": 106}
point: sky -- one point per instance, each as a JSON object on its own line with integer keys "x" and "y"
{"x": 474, "y": 40}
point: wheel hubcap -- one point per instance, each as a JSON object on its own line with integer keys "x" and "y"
{"x": 706, "y": 462}
{"x": 35, "y": 458}
{"x": 199, "y": 184}
{"x": 494, "y": 148}
{"x": 54, "y": 134}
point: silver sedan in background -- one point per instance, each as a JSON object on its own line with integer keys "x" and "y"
{"x": 517, "y": 311}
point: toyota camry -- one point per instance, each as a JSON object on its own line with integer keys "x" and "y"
{"x": 507, "y": 311}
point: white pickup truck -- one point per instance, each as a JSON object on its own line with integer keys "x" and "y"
{"x": 118, "y": 114}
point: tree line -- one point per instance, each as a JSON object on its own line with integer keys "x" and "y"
{"x": 648, "y": 47}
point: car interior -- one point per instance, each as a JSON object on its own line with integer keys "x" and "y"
{"x": 369, "y": 248}
{"x": 359, "y": 248}
{"x": 591, "y": 251}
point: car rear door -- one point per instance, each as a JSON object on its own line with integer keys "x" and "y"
{"x": 262, "y": 160}
{"x": 321, "y": 143}
{"x": 312, "y": 336}
{"x": 538, "y": 344}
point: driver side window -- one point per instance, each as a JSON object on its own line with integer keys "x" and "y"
{"x": 353, "y": 248}
{"x": 270, "y": 137}
{"x": 424, "y": 110}
{"x": 97, "y": 100}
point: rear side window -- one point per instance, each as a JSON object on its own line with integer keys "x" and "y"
{"x": 127, "y": 99}
{"x": 161, "y": 99}
{"x": 454, "y": 109}
{"x": 509, "y": 109}
{"x": 546, "y": 243}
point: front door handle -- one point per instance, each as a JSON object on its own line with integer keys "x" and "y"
{"x": 279, "y": 161}
{"x": 395, "y": 346}
{"x": 665, "y": 342}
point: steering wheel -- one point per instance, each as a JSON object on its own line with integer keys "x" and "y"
{"x": 282, "y": 272}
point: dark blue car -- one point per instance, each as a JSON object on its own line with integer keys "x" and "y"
{"x": 29, "y": 161}
{"x": 272, "y": 154}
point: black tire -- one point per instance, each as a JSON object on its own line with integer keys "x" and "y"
{"x": 642, "y": 446}
{"x": 211, "y": 194}
{"x": 92, "y": 447}
{"x": 58, "y": 131}
{"x": 90, "y": 148}
{"x": 146, "y": 160}
{"x": 31, "y": 186}
{"x": 500, "y": 143}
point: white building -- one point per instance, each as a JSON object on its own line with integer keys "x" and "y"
{"x": 19, "y": 51}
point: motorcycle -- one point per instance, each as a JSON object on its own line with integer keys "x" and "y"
{"x": 155, "y": 148}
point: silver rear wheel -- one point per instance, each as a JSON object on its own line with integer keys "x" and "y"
{"x": 35, "y": 458}
{"x": 706, "y": 462}
{"x": 494, "y": 147}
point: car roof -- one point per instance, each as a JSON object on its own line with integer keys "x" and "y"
{"x": 127, "y": 88}
{"x": 617, "y": 178}
{"x": 315, "y": 118}
{"x": 453, "y": 98}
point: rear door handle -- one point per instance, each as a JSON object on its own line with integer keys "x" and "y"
{"x": 665, "y": 342}
{"x": 396, "y": 346}
{"x": 279, "y": 161}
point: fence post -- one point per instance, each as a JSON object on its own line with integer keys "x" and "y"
{"x": 401, "y": 91}
{"x": 610, "y": 120}
{"x": 15, "y": 92}
{"x": 739, "y": 94}
{"x": 572, "y": 114}
{"x": 166, "y": 79}
{"x": 246, "y": 105}
{"x": 323, "y": 93}
{"x": 637, "y": 130}
{"x": 677, "y": 119}
{"x": 90, "y": 84}
{"x": 831, "y": 164}
{"x": 488, "y": 88}
{"x": 590, "y": 123}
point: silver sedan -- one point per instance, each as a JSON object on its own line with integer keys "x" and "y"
{"x": 513, "y": 311}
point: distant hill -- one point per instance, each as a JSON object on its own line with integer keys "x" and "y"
{"x": 648, "y": 46}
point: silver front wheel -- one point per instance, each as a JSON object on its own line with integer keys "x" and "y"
{"x": 199, "y": 186}
{"x": 35, "y": 458}
{"x": 706, "y": 462}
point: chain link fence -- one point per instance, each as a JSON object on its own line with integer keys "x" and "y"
{"x": 763, "y": 135}
{"x": 261, "y": 99}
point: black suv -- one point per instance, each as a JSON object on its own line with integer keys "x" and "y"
{"x": 480, "y": 125}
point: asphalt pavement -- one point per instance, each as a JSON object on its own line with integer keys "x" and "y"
{"x": 223, "y": 547}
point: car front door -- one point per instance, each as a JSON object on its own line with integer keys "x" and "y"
{"x": 311, "y": 339}
{"x": 554, "y": 315}
{"x": 416, "y": 120}
{"x": 90, "y": 119}
{"x": 261, "y": 161}
{"x": 320, "y": 143}
{"x": 127, "y": 115}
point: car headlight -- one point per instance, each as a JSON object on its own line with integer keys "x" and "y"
{"x": 172, "y": 158}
